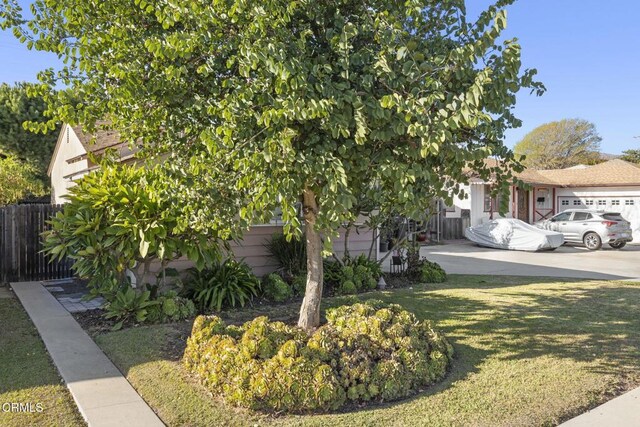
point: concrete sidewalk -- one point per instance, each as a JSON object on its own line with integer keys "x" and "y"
{"x": 623, "y": 411}
{"x": 103, "y": 395}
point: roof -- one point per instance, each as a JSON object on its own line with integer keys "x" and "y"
{"x": 99, "y": 141}
{"x": 612, "y": 173}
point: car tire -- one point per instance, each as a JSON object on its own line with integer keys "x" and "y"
{"x": 618, "y": 245}
{"x": 592, "y": 241}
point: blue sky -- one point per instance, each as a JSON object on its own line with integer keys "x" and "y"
{"x": 586, "y": 52}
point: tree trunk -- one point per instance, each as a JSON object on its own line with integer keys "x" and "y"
{"x": 310, "y": 310}
{"x": 346, "y": 241}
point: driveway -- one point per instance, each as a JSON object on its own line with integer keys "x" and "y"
{"x": 566, "y": 261}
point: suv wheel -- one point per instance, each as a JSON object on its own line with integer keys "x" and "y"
{"x": 592, "y": 241}
{"x": 618, "y": 245}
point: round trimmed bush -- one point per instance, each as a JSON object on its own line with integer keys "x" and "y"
{"x": 276, "y": 289}
{"x": 365, "y": 352}
{"x": 431, "y": 272}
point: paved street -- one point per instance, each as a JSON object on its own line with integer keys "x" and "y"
{"x": 566, "y": 261}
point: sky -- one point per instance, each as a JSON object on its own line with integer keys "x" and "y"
{"x": 587, "y": 53}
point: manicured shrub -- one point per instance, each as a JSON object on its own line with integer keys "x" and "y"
{"x": 348, "y": 287}
{"x": 362, "y": 273}
{"x": 431, "y": 272}
{"x": 365, "y": 352}
{"x": 170, "y": 308}
{"x": 229, "y": 284}
{"x": 276, "y": 289}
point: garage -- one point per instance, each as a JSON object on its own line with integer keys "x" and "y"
{"x": 626, "y": 203}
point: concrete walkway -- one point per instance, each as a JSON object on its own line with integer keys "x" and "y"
{"x": 103, "y": 395}
{"x": 623, "y": 411}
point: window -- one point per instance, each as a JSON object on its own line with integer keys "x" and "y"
{"x": 564, "y": 203}
{"x": 491, "y": 203}
{"x": 629, "y": 202}
{"x": 564, "y": 216}
{"x": 602, "y": 203}
{"x": 615, "y": 203}
{"x": 589, "y": 202}
{"x": 577, "y": 202}
{"x": 581, "y": 216}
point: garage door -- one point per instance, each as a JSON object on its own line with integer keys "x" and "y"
{"x": 628, "y": 206}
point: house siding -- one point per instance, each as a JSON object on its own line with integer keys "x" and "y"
{"x": 69, "y": 147}
{"x": 251, "y": 249}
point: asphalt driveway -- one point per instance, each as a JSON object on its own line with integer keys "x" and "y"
{"x": 566, "y": 261}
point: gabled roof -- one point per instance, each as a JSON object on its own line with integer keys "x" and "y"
{"x": 612, "y": 173}
{"x": 96, "y": 143}
{"x": 99, "y": 141}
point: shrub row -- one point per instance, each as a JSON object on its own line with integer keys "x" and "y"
{"x": 366, "y": 352}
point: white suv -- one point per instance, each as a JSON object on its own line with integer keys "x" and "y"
{"x": 592, "y": 228}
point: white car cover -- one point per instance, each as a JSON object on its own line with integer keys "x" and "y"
{"x": 509, "y": 233}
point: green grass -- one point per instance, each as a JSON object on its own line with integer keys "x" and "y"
{"x": 27, "y": 374}
{"x": 529, "y": 352}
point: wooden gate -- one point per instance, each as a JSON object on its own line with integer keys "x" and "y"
{"x": 21, "y": 257}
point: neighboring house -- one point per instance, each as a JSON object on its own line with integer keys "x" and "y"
{"x": 613, "y": 186}
{"x": 71, "y": 162}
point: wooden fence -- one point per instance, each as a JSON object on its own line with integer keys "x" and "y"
{"x": 443, "y": 228}
{"x": 21, "y": 257}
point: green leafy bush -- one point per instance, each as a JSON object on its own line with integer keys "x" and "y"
{"x": 421, "y": 269}
{"x": 170, "y": 307}
{"x": 348, "y": 287}
{"x": 431, "y": 272}
{"x": 276, "y": 289}
{"x": 127, "y": 305}
{"x": 356, "y": 275}
{"x": 290, "y": 255}
{"x": 229, "y": 284}
{"x": 365, "y": 352}
{"x": 124, "y": 217}
{"x": 299, "y": 284}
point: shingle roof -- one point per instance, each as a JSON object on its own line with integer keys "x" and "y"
{"x": 615, "y": 172}
{"x": 100, "y": 140}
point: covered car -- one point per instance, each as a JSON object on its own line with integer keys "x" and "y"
{"x": 510, "y": 233}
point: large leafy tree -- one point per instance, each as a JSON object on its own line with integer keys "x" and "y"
{"x": 18, "y": 180}
{"x": 16, "y": 108}
{"x": 631, "y": 155}
{"x": 330, "y": 105}
{"x": 560, "y": 144}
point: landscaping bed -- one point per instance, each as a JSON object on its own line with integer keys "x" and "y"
{"x": 529, "y": 351}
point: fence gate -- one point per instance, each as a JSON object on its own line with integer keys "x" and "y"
{"x": 21, "y": 257}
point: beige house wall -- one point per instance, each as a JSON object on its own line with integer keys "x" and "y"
{"x": 62, "y": 172}
{"x": 252, "y": 250}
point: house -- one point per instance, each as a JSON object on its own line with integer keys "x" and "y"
{"x": 613, "y": 186}
{"x": 73, "y": 158}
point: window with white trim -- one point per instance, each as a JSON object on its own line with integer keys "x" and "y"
{"x": 564, "y": 203}
{"x": 602, "y": 203}
{"x": 615, "y": 203}
{"x": 577, "y": 202}
{"x": 588, "y": 202}
{"x": 629, "y": 202}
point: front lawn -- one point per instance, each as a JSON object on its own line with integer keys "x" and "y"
{"x": 27, "y": 374}
{"x": 529, "y": 351}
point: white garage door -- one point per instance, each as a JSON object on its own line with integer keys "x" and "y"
{"x": 628, "y": 206}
